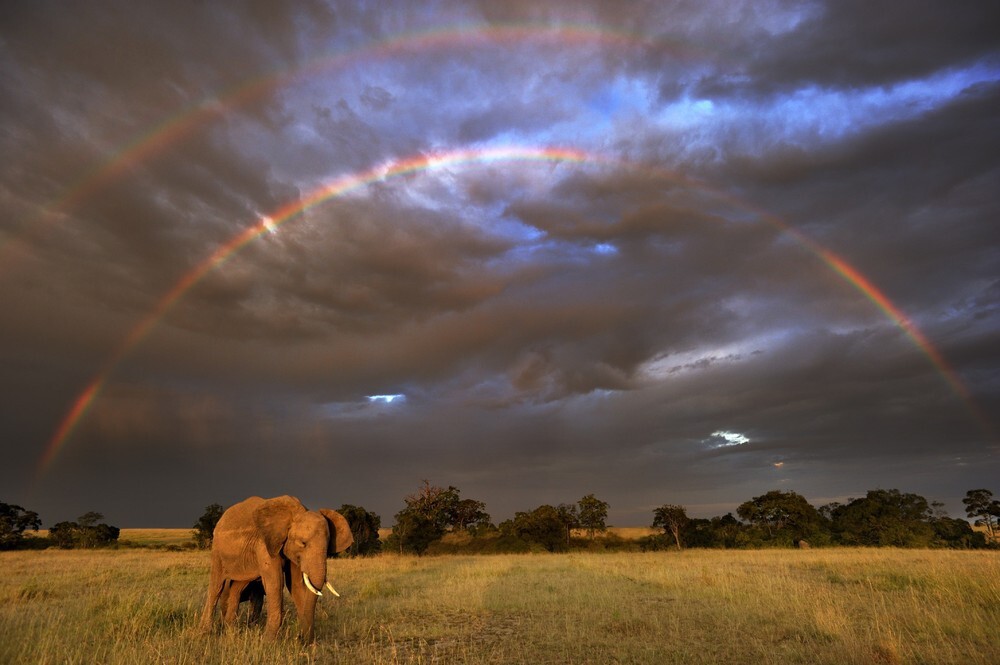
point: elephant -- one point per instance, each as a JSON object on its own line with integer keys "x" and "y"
{"x": 280, "y": 543}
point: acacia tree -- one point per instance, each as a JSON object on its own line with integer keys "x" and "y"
{"x": 980, "y": 505}
{"x": 432, "y": 511}
{"x": 205, "y": 526}
{"x": 672, "y": 519}
{"x": 593, "y": 514}
{"x": 14, "y": 521}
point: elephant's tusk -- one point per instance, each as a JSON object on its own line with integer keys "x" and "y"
{"x": 332, "y": 590}
{"x": 309, "y": 585}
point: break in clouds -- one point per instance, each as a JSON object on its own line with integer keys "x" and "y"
{"x": 616, "y": 276}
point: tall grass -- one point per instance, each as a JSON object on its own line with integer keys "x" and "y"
{"x": 773, "y": 606}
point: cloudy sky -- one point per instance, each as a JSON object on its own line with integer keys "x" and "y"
{"x": 662, "y": 252}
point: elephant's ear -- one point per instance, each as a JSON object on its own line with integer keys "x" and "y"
{"x": 274, "y": 518}
{"x": 340, "y": 531}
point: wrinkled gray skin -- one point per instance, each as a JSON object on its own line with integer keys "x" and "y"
{"x": 273, "y": 539}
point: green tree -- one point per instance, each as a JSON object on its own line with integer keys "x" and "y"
{"x": 64, "y": 534}
{"x": 469, "y": 515}
{"x": 956, "y": 533}
{"x": 205, "y": 526}
{"x": 94, "y": 533}
{"x": 413, "y": 532}
{"x": 570, "y": 519}
{"x": 672, "y": 519}
{"x": 431, "y": 512}
{"x": 593, "y": 515}
{"x": 885, "y": 517}
{"x": 984, "y": 509}
{"x": 85, "y": 532}
{"x": 364, "y": 528}
{"x": 727, "y": 531}
{"x": 14, "y": 521}
{"x": 544, "y": 526}
{"x": 785, "y": 516}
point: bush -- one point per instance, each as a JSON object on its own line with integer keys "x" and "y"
{"x": 84, "y": 533}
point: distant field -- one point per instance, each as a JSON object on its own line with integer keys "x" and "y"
{"x": 147, "y": 537}
{"x": 831, "y": 606}
{"x": 157, "y": 537}
{"x": 627, "y": 532}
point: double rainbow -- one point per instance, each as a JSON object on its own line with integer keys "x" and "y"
{"x": 425, "y": 162}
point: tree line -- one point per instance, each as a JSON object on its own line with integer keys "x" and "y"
{"x": 429, "y": 524}
{"x": 880, "y": 518}
{"x": 88, "y": 531}
{"x": 437, "y": 520}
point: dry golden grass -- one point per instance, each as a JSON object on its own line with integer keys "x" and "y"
{"x": 144, "y": 537}
{"x": 157, "y": 537}
{"x": 696, "y": 606}
{"x": 626, "y": 532}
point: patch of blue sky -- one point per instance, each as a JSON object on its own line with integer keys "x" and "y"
{"x": 834, "y": 113}
{"x": 545, "y": 250}
{"x": 686, "y": 113}
{"x": 673, "y": 364}
{"x": 606, "y": 101}
{"x": 822, "y": 114}
{"x": 619, "y": 99}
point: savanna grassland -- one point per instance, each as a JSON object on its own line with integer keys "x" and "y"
{"x": 696, "y": 606}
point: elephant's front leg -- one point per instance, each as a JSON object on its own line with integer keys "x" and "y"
{"x": 305, "y": 604}
{"x": 273, "y": 580}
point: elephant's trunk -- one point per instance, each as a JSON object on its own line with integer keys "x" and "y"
{"x": 309, "y": 585}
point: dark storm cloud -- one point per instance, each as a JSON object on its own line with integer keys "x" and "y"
{"x": 857, "y": 43}
{"x": 549, "y": 329}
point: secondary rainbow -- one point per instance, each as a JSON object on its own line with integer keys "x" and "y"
{"x": 426, "y": 161}
{"x": 175, "y": 128}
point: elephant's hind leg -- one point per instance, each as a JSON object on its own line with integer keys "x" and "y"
{"x": 216, "y": 586}
{"x": 255, "y": 594}
{"x": 231, "y": 601}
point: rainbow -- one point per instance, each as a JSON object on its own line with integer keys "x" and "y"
{"x": 177, "y": 127}
{"x": 428, "y": 161}
{"x": 269, "y": 224}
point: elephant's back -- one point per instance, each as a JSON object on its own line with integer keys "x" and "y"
{"x": 239, "y": 515}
